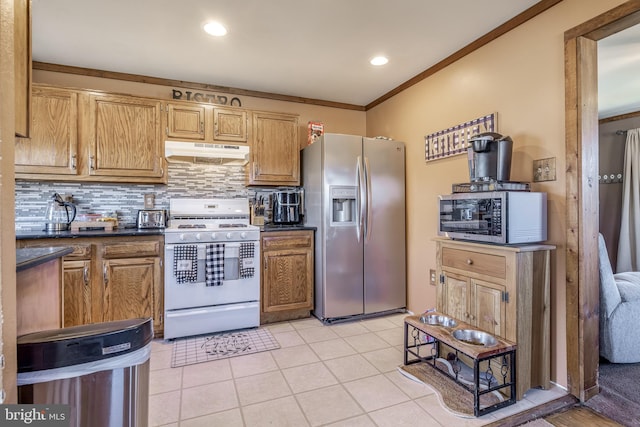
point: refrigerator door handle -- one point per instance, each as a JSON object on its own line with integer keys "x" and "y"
{"x": 360, "y": 199}
{"x": 368, "y": 221}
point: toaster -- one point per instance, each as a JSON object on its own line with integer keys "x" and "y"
{"x": 152, "y": 218}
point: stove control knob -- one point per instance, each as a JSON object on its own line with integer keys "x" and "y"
{"x": 181, "y": 237}
{"x": 213, "y": 236}
{"x": 243, "y": 235}
{"x": 229, "y": 235}
{"x": 198, "y": 236}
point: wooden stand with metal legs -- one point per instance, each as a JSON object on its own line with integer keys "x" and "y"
{"x": 498, "y": 361}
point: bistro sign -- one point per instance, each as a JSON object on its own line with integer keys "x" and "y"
{"x": 205, "y": 97}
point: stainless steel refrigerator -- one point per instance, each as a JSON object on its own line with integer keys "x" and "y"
{"x": 355, "y": 196}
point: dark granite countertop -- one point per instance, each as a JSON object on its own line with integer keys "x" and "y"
{"x": 117, "y": 232}
{"x": 32, "y": 257}
{"x": 285, "y": 227}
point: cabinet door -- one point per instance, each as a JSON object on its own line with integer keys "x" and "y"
{"x": 22, "y": 61}
{"x": 53, "y": 146}
{"x": 125, "y": 137}
{"x": 275, "y": 152}
{"x": 129, "y": 286}
{"x": 229, "y": 125}
{"x": 287, "y": 280}
{"x": 488, "y": 311}
{"x": 457, "y": 294}
{"x": 185, "y": 121}
{"x": 76, "y": 293}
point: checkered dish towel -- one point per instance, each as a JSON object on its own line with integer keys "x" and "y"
{"x": 214, "y": 266}
{"x": 247, "y": 268}
{"x": 185, "y": 263}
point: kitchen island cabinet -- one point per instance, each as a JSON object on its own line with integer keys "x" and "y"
{"x": 287, "y": 275}
{"x": 195, "y": 122}
{"x": 274, "y": 158}
{"x": 110, "y": 278}
{"x": 503, "y": 290}
{"x": 38, "y": 288}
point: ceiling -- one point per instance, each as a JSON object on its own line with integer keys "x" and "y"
{"x": 311, "y": 49}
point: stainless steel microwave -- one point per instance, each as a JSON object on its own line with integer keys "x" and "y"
{"x": 504, "y": 217}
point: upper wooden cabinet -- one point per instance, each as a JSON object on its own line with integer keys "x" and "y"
{"x": 186, "y": 121}
{"x": 195, "y": 122}
{"x": 275, "y": 150}
{"x": 229, "y": 125}
{"x": 124, "y": 137}
{"x": 53, "y": 146}
{"x": 84, "y": 136}
{"x": 22, "y": 66}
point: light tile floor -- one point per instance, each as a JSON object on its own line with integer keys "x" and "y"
{"x": 339, "y": 375}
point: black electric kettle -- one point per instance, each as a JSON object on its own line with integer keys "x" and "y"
{"x": 59, "y": 214}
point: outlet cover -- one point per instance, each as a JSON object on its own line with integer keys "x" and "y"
{"x": 544, "y": 169}
{"x": 432, "y": 277}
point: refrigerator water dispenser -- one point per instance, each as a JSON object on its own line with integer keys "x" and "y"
{"x": 343, "y": 205}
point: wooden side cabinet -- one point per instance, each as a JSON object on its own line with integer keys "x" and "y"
{"x": 287, "y": 275}
{"x": 503, "y": 290}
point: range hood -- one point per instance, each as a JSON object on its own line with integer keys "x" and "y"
{"x": 198, "y": 152}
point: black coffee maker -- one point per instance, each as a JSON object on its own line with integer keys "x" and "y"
{"x": 286, "y": 207}
{"x": 489, "y": 157}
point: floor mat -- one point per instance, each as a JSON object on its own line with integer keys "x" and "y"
{"x": 453, "y": 396}
{"x": 204, "y": 348}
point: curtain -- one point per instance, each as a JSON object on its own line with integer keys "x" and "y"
{"x": 628, "y": 254}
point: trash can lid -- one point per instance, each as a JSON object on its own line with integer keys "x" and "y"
{"x": 75, "y": 345}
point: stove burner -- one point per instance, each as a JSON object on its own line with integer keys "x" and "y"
{"x": 191, "y": 226}
{"x": 232, "y": 225}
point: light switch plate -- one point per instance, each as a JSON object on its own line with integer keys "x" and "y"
{"x": 432, "y": 277}
{"x": 544, "y": 169}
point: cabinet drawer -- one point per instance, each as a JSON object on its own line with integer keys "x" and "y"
{"x": 130, "y": 249}
{"x": 80, "y": 251}
{"x": 475, "y": 262}
{"x": 290, "y": 240}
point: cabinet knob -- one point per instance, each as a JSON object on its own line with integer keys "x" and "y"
{"x": 469, "y": 261}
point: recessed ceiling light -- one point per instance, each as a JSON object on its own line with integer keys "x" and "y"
{"x": 379, "y": 60}
{"x": 215, "y": 29}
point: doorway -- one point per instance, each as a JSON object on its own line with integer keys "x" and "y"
{"x": 581, "y": 136}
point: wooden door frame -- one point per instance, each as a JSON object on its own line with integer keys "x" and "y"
{"x": 581, "y": 138}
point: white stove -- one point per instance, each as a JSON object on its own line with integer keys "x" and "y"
{"x": 212, "y": 267}
{"x": 209, "y": 220}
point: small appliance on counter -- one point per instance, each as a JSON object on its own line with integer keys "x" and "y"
{"x": 491, "y": 208}
{"x": 151, "y": 218}
{"x": 287, "y": 206}
{"x": 489, "y": 157}
{"x": 60, "y": 213}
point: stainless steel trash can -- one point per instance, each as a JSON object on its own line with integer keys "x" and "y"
{"x": 100, "y": 370}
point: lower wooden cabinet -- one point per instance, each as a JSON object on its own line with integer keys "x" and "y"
{"x": 503, "y": 290}
{"x": 110, "y": 278}
{"x": 76, "y": 293}
{"x": 287, "y": 275}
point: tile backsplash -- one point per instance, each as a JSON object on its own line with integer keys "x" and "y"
{"x": 185, "y": 180}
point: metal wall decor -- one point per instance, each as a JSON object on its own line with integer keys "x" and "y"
{"x": 455, "y": 140}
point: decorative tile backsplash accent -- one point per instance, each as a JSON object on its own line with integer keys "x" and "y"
{"x": 185, "y": 180}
